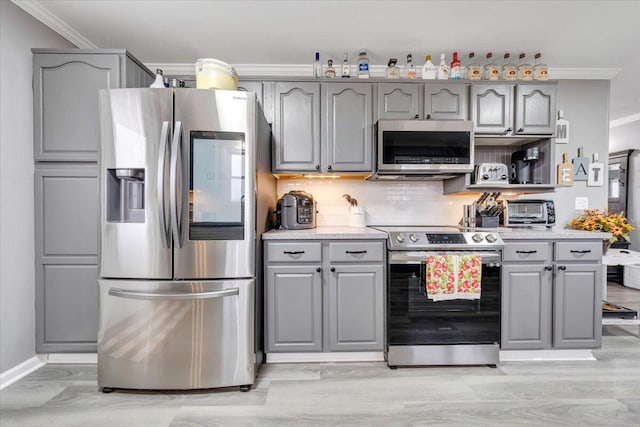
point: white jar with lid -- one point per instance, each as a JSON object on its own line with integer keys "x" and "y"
{"x": 358, "y": 217}
{"x": 215, "y": 74}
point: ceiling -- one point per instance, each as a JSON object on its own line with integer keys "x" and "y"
{"x": 573, "y": 36}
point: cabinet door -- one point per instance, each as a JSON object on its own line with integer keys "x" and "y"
{"x": 294, "y": 308}
{"x": 66, "y": 248}
{"x": 296, "y": 128}
{"x": 347, "y": 121}
{"x": 535, "y": 110}
{"x": 399, "y": 101}
{"x": 577, "y": 308}
{"x": 65, "y": 104}
{"x": 491, "y": 108}
{"x": 526, "y": 307}
{"x": 356, "y": 307}
{"x": 447, "y": 102}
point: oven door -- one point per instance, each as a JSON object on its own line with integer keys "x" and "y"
{"x": 414, "y": 319}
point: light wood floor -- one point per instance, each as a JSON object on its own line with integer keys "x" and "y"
{"x": 605, "y": 392}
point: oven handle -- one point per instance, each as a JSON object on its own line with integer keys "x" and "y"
{"x": 404, "y": 257}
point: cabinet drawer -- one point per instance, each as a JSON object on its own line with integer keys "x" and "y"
{"x": 527, "y": 251}
{"x": 356, "y": 251}
{"x": 290, "y": 251}
{"x": 578, "y": 251}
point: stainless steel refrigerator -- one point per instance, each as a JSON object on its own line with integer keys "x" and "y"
{"x": 185, "y": 191}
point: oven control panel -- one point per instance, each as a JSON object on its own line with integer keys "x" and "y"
{"x": 446, "y": 238}
{"x": 415, "y": 240}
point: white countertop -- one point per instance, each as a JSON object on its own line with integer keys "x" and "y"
{"x": 343, "y": 232}
{"x": 325, "y": 232}
{"x": 551, "y": 233}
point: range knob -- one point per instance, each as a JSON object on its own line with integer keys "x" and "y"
{"x": 400, "y": 237}
{"x": 413, "y": 237}
{"x": 477, "y": 237}
{"x": 491, "y": 238}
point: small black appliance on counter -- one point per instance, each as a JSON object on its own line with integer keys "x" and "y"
{"x": 296, "y": 210}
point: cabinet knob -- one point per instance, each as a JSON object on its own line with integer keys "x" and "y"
{"x": 329, "y": 167}
{"x": 318, "y": 269}
{"x": 508, "y": 130}
{"x": 333, "y": 269}
{"x": 548, "y": 267}
{"x": 520, "y": 130}
{"x": 562, "y": 267}
{"x": 318, "y": 167}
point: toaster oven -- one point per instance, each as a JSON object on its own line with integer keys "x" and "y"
{"x": 526, "y": 213}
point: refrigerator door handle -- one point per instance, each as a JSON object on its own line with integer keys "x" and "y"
{"x": 164, "y": 143}
{"x": 162, "y": 296}
{"x": 173, "y": 183}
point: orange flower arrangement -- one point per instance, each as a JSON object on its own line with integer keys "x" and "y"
{"x": 594, "y": 220}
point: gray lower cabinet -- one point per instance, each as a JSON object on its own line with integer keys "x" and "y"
{"x": 526, "y": 307}
{"x": 66, "y": 226}
{"x": 551, "y": 301}
{"x": 324, "y": 296}
{"x": 356, "y": 307}
{"x": 577, "y": 306}
{"x": 446, "y": 102}
{"x": 65, "y": 103}
{"x": 294, "y": 308}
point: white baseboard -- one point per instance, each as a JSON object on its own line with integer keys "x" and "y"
{"x": 372, "y": 356}
{"x": 536, "y": 355}
{"x": 71, "y": 358}
{"x": 12, "y": 375}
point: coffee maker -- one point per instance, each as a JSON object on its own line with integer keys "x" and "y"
{"x": 522, "y": 163}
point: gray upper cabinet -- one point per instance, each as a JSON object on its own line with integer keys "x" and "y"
{"x": 65, "y": 87}
{"x": 491, "y": 108}
{"x": 526, "y": 307}
{"x": 252, "y": 86}
{"x": 535, "y": 110}
{"x": 296, "y": 127}
{"x": 446, "y": 102}
{"x": 577, "y": 313}
{"x": 348, "y": 129}
{"x": 399, "y": 101}
{"x": 356, "y": 307}
{"x": 507, "y": 109}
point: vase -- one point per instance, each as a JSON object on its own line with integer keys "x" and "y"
{"x": 605, "y": 246}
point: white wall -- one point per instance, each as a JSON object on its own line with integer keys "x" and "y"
{"x": 19, "y": 32}
{"x": 585, "y": 103}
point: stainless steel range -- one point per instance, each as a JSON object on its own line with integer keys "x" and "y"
{"x": 443, "y": 296}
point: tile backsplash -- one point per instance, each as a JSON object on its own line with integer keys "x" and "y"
{"x": 385, "y": 203}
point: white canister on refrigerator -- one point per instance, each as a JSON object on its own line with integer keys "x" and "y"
{"x": 358, "y": 217}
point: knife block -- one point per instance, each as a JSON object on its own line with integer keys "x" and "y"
{"x": 484, "y": 221}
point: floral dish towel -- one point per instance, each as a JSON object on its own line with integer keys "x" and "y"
{"x": 449, "y": 277}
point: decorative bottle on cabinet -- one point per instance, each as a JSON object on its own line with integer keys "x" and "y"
{"x": 443, "y": 69}
{"x": 509, "y": 70}
{"x": 346, "y": 71}
{"x": 474, "y": 70}
{"x": 317, "y": 67}
{"x": 540, "y": 70}
{"x": 330, "y": 72}
{"x": 456, "y": 70}
{"x": 491, "y": 69}
{"x": 410, "y": 69}
{"x": 159, "y": 81}
{"x": 429, "y": 71}
{"x": 525, "y": 70}
{"x": 363, "y": 65}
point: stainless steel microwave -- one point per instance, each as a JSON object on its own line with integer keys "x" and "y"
{"x": 424, "y": 147}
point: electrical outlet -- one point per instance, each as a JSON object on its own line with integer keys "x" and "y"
{"x": 582, "y": 203}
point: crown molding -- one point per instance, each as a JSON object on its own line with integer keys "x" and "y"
{"x": 306, "y": 70}
{"x": 624, "y": 120}
{"x": 44, "y": 15}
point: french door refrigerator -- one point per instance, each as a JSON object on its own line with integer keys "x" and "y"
{"x": 185, "y": 190}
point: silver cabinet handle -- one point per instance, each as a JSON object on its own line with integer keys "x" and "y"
{"x": 162, "y": 157}
{"x": 161, "y": 296}
{"x": 173, "y": 183}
